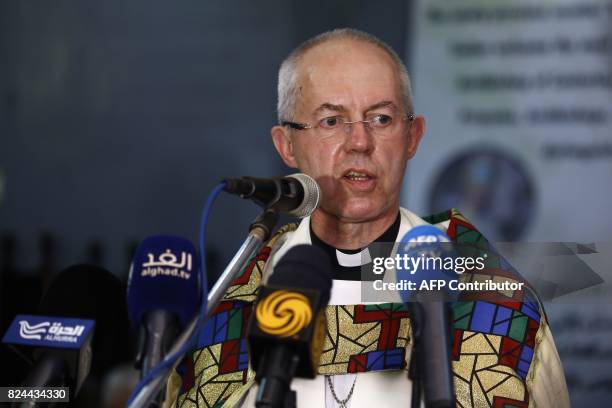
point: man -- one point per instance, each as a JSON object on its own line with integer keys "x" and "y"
{"x": 346, "y": 118}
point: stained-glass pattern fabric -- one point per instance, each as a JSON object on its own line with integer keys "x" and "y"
{"x": 364, "y": 338}
{"x": 495, "y": 335}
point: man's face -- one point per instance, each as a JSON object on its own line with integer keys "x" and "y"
{"x": 360, "y": 173}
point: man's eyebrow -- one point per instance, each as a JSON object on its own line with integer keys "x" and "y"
{"x": 331, "y": 107}
{"x": 382, "y": 104}
{"x": 341, "y": 108}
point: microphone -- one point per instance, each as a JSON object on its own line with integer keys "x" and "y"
{"x": 297, "y": 194}
{"x": 287, "y": 329}
{"x": 82, "y": 310}
{"x": 430, "y": 314}
{"x": 61, "y": 348}
{"x": 163, "y": 295}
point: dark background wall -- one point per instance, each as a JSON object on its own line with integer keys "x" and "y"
{"x": 117, "y": 119}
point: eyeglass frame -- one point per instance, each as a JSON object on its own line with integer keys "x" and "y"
{"x": 305, "y": 126}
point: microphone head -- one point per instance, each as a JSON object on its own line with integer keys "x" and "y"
{"x": 61, "y": 348}
{"x": 433, "y": 247}
{"x": 90, "y": 292}
{"x": 312, "y": 195}
{"x": 81, "y": 300}
{"x": 422, "y": 235}
{"x": 164, "y": 275}
{"x": 290, "y": 311}
{"x": 305, "y": 267}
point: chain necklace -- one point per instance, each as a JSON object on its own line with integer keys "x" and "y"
{"x": 340, "y": 402}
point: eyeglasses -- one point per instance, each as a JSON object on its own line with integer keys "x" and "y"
{"x": 376, "y": 123}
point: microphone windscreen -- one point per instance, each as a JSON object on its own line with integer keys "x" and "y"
{"x": 430, "y": 246}
{"x": 90, "y": 292}
{"x": 305, "y": 267}
{"x": 312, "y": 195}
{"x": 164, "y": 276}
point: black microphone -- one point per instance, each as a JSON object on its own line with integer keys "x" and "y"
{"x": 287, "y": 329}
{"x": 431, "y": 315}
{"x": 297, "y": 194}
{"x": 82, "y": 310}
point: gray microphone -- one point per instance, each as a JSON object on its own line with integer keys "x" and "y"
{"x": 297, "y": 194}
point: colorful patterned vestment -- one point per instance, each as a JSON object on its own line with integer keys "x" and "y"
{"x": 503, "y": 354}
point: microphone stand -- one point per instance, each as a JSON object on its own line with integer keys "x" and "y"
{"x": 259, "y": 232}
{"x": 274, "y": 388}
{"x": 430, "y": 363}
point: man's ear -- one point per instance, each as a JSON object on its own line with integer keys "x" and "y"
{"x": 415, "y": 133}
{"x": 283, "y": 145}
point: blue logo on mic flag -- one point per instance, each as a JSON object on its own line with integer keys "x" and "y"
{"x": 164, "y": 274}
{"x": 48, "y": 331}
{"x": 177, "y": 261}
{"x": 426, "y": 252}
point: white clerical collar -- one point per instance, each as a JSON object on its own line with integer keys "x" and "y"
{"x": 357, "y": 259}
{"x": 301, "y": 235}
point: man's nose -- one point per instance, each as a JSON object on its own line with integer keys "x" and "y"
{"x": 358, "y": 137}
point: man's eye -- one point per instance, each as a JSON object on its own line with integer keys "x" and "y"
{"x": 330, "y": 122}
{"x": 382, "y": 120}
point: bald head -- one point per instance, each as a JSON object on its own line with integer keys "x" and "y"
{"x": 343, "y": 49}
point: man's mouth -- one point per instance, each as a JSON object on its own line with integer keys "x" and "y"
{"x": 356, "y": 175}
{"x": 360, "y": 179}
